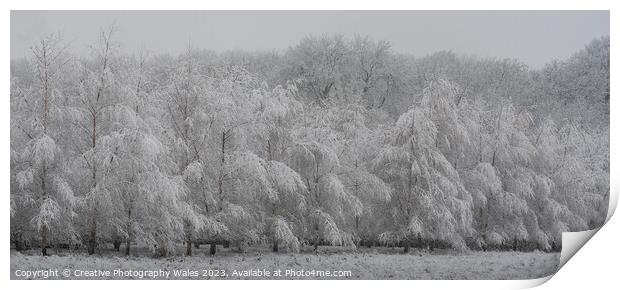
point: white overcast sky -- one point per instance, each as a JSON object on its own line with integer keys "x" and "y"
{"x": 535, "y": 37}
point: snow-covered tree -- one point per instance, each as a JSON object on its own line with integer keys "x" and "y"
{"x": 318, "y": 62}
{"x": 358, "y": 147}
{"x": 429, "y": 200}
{"x": 190, "y": 121}
{"x": 93, "y": 110}
{"x": 319, "y": 142}
{"x": 283, "y": 199}
{"x": 371, "y": 60}
{"x": 40, "y": 171}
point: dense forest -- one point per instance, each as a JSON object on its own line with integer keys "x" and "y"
{"x": 338, "y": 140}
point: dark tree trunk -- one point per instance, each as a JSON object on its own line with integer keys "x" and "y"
{"x": 316, "y": 244}
{"x": 44, "y": 234}
{"x": 213, "y": 248}
{"x": 19, "y": 244}
{"x": 44, "y": 229}
{"x": 116, "y": 241}
{"x": 163, "y": 252}
{"x": 406, "y": 246}
{"x": 129, "y": 233}
{"x": 128, "y": 247}
{"x": 189, "y": 230}
{"x": 275, "y": 245}
{"x": 92, "y": 240}
{"x": 188, "y": 249}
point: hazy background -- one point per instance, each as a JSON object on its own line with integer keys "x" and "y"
{"x": 535, "y": 37}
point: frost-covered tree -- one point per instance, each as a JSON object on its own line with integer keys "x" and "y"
{"x": 318, "y": 62}
{"x": 147, "y": 199}
{"x": 326, "y": 195}
{"x": 371, "y": 60}
{"x": 504, "y": 181}
{"x": 94, "y": 109}
{"x": 579, "y": 84}
{"x": 359, "y": 146}
{"x": 331, "y": 199}
{"x": 38, "y": 161}
{"x": 576, "y": 182}
{"x": 283, "y": 199}
{"x": 429, "y": 200}
{"x": 228, "y": 120}
{"x": 191, "y": 120}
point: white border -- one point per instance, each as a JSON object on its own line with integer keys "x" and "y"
{"x": 596, "y": 263}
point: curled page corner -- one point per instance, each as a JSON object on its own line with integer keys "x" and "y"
{"x": 572, "y": 242}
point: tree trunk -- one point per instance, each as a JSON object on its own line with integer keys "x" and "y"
{"x": 163, "y": 252}
{"x": 419, "y": 240}
{"x": 406, "y": 246}
{"x": 213, "y": 248}
{"x": 221, "y": 177}
{"x": 358, "y": 240}
{"x": 116, "y": 241}
{"x": 196, "y": 245}
{"x": 19, "y": 245}
{"x": 515, "y": 245}
{"x": 128, "y": 246}
{"x": 188, "y": 239}
{"x": 275, "y": 245}
{"x": 44, "y": 237}
{"x": 188, "y": 249}
{"x": 18, "y": 241}
{"x": 129, "y": 233}
{"x": 316, "y": 243}
{"x": 44, "y": 228}
{"x": 92, "y": 241}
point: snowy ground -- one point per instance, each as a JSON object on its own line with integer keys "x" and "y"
{"x": 374, "y": 263}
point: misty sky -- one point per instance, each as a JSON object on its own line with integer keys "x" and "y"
{"x": 535, "y": 37}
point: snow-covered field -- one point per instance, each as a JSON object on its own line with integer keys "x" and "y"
{"x": 375, "y": 263}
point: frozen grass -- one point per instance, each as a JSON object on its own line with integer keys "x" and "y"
{"x": 374, "y": 263}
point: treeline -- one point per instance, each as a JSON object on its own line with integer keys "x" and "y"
{"x": 338, "y": 141}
